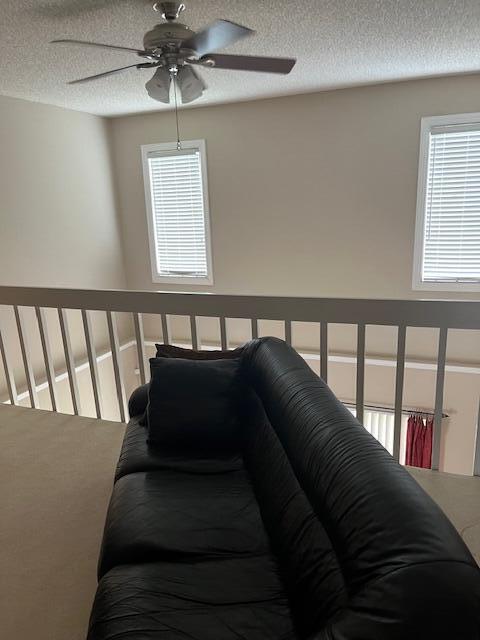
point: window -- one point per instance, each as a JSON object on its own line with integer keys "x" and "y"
{"x": 447, "y": 240}
{"x": 381, "y": 425}
{"x": 176, "y": 196}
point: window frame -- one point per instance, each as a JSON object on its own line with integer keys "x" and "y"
{"x": 146, "y": 150}
{"x": 427, "y": 123}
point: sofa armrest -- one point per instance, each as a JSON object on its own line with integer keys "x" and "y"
{"x": 138, "y": 401}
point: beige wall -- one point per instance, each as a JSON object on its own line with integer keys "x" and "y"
{"x": 58, "y": 219}
{"x": 315, "y": 195}
{"x": 310, "y": 195}
{"x": 58, "y": 222}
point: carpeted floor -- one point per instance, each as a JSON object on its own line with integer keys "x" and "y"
{"x": 459, "y": 497}
{"x": 56, "y": 475}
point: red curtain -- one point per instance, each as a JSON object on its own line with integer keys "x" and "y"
{"x": 419, "y": 442}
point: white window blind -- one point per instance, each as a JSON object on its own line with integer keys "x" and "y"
{"x": 451, "y": 243}
{"x": 380, "y": 424}
{"x": 178, "y": 213}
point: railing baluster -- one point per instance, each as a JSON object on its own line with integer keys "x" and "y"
{"x": 400, "y": 374}
{"x": 26, "y": 357}
{"x": 69, "y": 361}
{"x": 47, "y": 356}
{"x": 11, "y": 386}
{"x": 288, "y": 332}
{"x": 324, "y": 351}
{"x": 254, "y": 325}
{"x": 223, "y": 334}
{"x": 476, "y": 459}
{"x": 92, "y": 360}
{"x": 194, "y": 333}
{"x": 117, "y": 367}
{"x": 140, "y": 340}
{"x": 165, "y": 329}
{"x": 360, "y": 371}
{"x": 439, "y": 387}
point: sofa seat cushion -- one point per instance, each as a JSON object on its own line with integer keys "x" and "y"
{"x": 172, "y": 515}
{"x": 137, "y": 455}
{"x": 228, "y": 599}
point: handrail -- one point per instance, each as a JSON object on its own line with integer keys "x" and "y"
{"x": 450, "y": 314}
{"x": 436, "y": 314}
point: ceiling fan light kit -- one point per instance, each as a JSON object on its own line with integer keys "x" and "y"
{"x": 169, "y": 10}
{"x": 173, "y": 50}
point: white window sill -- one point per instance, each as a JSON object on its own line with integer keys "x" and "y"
{"x": 467, "y": 287}
{"x": 201, "y": 281}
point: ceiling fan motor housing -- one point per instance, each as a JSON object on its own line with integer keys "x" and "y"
{"x": 165, "y": 34}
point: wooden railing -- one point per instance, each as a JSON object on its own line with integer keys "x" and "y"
{"x": 442, "y": 315}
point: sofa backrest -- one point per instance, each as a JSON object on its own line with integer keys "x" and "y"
{"x": 307, "y": 560}
{"x": 406, "y": 570}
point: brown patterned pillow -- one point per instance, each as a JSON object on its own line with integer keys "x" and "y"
{"x": 170, "y": 351}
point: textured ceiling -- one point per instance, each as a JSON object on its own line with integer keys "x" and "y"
{"x": 338, "y": 43}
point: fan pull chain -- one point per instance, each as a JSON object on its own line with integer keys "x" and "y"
{"x": 174, "y": 80}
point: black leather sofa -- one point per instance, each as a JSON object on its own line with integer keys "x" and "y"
{"x": 309, "y": 530}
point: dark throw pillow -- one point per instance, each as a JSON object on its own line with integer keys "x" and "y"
{"x": 171, "y": 351}
{"x": 193, "y": 404}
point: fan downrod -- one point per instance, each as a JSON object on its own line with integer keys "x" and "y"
{"x": 170, "y": 10}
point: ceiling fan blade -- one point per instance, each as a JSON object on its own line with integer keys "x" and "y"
{"x": 104, "y": 74}
{"x": 158, "y": 87}
{"x": 250, "y": 63}
{"x": 220, "y": 34}
{"x": 98, "y": 44}
{"x": 190, "y": 84}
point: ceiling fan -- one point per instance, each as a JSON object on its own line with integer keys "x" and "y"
{"x": 174, "y": 50}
